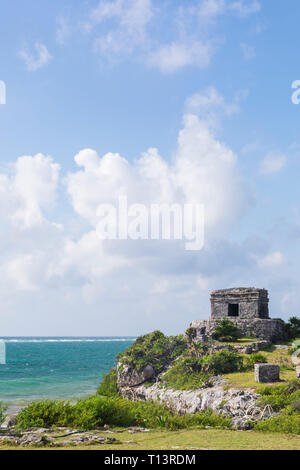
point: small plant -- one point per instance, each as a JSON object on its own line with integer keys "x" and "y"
{"x": 256, "y": 358}
{"x": 226, "y": 331}
{"x": 2, "y": 411}
{"x": 292, "y": 328}
{"x": 285, "y": 423}
{"x": 224, "y": 362}
{"x": 108, "y": 386}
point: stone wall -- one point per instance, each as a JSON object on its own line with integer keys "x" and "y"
{"x": 268, "y": 329}
{"x": 252, "y": 302}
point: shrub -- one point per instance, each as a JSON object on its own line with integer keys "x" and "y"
{"x": 97, "y": 411}
{"x": 280, "y": 396}
{"x": 2, "y": 411}
{"x": 292, "y": 328}
{"x": 155, "y": 349}
{"x": 85, "y": 414}
{"x": 224, "y": 362}
{"x": 108, "y": 386}
{"x": 45, "y": 413}
{"x": 226, "y": 331}
{"x": 186, "y": 374}
{"x": 94, "y": 412}
{"x": 285, "y": 423}
{"x": 256, "y": 358}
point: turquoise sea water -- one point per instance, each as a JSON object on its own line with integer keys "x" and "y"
{"x": 55, "y": 367}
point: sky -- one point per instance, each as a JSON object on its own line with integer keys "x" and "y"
{"x": 174, "y": 101}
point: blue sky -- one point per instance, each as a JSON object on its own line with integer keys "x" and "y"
{"x": 120, "y": 77}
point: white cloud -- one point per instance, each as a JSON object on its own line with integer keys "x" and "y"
{"x": 247, "y": 51}
{"x": 171, "y": 57}
{"x": 124, "y": 25}
{"x": 211, "y": 106}
{"x": 210, "y": 9}
{"x": 204, "y": 171}
{"x": 63, "y": 31}
{"x": 125, "y": 28}
{"x": 273, "y": 260}
{"x": 65, "y": 271}
{"x": 30, "y": 190}
{"x": 245, "y": 8}
{"x": 37, "y": 60}
{"x": 272, "y": 164}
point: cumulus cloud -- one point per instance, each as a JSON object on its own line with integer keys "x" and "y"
{"x": 131, "y": 18}
{"x": 212, "y": 107}
{"x": 204, "y": 170}
{"x": 171, "y": 57}
{"x": 35, "y": 60}
{"x": 273, "y": 164}
{"x": 273, "y": 260}
{"x": 125, "y": 28}
{"x": 245, "y": 8}
{"x": 125, "y": 282}
{"x": 30, "y": 189}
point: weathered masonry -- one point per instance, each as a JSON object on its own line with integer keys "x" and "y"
{"x": 247, "y": 308}
{"x": 240, "y": 303}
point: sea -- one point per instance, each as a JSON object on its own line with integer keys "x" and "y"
{"x": 61, "y": 368}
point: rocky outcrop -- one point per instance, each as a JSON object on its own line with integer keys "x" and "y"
{"x": 9, "y": 421}
{"x": 240, "y": 405}
{"x": 130, "y": 377}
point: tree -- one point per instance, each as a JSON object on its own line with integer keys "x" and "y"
{"x": 226, "y": 331}
{"x": 293, "y": 328}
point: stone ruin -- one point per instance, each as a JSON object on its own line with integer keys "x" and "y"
{"x": 247, "y": 308}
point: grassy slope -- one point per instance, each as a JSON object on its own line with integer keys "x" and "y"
{"x": 213, "y": 439}
{"x": 277, "y": 356}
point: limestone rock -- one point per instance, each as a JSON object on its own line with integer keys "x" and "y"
{"x": 130, "y": 377}
{"x": 266, "y": 373}
{"x": 9, "y": 421}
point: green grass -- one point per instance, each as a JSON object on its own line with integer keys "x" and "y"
{"x": 213, "y": 439}
{"x": 246, "y": 379}
{"x": 241, "y": 341}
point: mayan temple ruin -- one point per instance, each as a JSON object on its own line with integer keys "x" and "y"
{"x": 247, "y": 308}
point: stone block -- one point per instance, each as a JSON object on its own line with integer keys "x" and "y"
{"x": 298, "y": 372}
{"x": 266, "y": 373}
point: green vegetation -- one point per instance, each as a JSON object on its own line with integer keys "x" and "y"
{"x": 284, "y": 398}
{"x": 285, "y": 423}
{"x": 256, "y": 358}
{"x": 94, "y": 412}
{"x": 108, "y": 386}
{"x": 293, "y": 328}
{"x": 224, "y": 362}
{"x": 190, "y": 373}
{"x": 226, "y": 331}
{"x": 186, "y": 374}
{"x": 2, "y": 411}
{"x": 155, "y": 349}
{"x": 280, "y": 396}
{"x": 187, "y": 439}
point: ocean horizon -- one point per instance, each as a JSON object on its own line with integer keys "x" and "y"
{"x": 56, "y": 367}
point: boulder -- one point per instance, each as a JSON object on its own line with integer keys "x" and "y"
{"x": 130, "y": 377}
{"x": 9, "y": 421}
{"x": 298, "y": 372}
{"x": 266, "y": 373}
